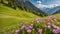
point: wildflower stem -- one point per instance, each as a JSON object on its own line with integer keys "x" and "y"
{"x": 33, "y": 31}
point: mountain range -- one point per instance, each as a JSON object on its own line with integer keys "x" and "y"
{"x": 46, "y": 11}
{"x": 51, "y": 11}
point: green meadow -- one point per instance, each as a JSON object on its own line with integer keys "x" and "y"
{"x": 10, "y": 17}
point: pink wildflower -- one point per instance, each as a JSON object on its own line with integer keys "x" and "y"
{"x": 29, "y": 30}
{"x": 40, "y": 31}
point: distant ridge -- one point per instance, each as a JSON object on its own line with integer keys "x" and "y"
{"x": 54, "y": 10}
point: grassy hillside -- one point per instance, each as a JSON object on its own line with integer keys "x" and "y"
{"x": 10, "y": 17}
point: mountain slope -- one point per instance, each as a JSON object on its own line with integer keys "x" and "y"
{"x": 10, "y": 17}
{"x": 19, "y": 13}
{"x": 53, "y": 10}
{"x": 30, "y": 6}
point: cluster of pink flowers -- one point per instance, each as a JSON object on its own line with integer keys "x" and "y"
{"x": 41, "y": 26}
{"x": 26, "y": 28}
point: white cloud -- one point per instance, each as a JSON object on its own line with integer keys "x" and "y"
{"x": 52, "y": 5}
{"x": 39, "y": 2}
{"x": 40, "y": 5}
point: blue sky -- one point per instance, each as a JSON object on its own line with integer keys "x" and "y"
{"x": 50, "y": 1}
{"x": 46, "y": 3}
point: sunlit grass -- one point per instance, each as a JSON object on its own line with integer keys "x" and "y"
{"x": 10, "y": 18}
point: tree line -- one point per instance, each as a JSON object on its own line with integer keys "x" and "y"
{"x": 12, "y": 3}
